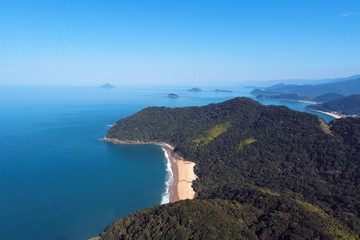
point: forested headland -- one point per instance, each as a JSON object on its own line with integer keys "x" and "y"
{"x": 348, "y": 106}
{"x": 264, "y": 172}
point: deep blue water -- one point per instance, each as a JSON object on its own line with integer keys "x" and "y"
{"x": 58, "y": 180}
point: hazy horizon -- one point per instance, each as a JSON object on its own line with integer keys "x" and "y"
{"x": 204, "y": 84}
{"x": 90, "y": 43}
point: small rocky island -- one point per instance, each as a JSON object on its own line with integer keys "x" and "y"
{"x": 173, "y": 95}
{"x": 108, "y": 86}
{"x": 195, "y": 89}
{"x": 223, "y": 91}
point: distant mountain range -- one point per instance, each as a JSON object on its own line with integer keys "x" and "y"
{"x": 345, "y": 88}
{"x": 300, "y": 81}
{"x": 329, "y": 96}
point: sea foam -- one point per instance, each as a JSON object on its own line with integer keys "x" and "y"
{"x": 169, "y": 179}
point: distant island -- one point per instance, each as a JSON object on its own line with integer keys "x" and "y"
{"x": 108, "y": 85}
{"x": 327, "y": 97}
{"x": 223, "y": 91}
{"x": 173, "y": 95}
{"x": 195, "y": 89}
{"x": 264, "y": 172}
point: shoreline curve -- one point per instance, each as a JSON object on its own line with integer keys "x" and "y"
{"x": 182, "y": 170}
{"x": 332, "y": 114}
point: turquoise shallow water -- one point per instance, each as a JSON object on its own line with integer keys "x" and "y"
{"x": 58, "y": 180}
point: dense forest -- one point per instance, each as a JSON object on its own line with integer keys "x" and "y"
{"x": 221, "y": 219}
{"x": 349, "y": 105}
{"x": 291, "y": 96}
{"x": 327, "y": 97}
{"x": 279, "y": 173}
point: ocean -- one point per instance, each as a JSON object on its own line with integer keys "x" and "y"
{"x": 58, "y": 180}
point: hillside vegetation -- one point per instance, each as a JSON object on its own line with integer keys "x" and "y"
{"x": 293, "y": 177}
{"x": 349, "y": 105}
{"x": 220, "y": 219}
{"x": 327, "y": 97}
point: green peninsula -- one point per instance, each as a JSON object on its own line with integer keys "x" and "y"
{"x": 348, "y": 106}
{"x": 264, "y": 172}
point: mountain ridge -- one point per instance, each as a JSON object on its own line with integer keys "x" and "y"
{"x": 347, "y": 87}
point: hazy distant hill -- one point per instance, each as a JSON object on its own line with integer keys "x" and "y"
{"x": 327, "y": 97}
{"x": 173, "y": 95}
{"x": 299, "y": 81}
{"x": 349, "y": 105}
{"x": 195, "y": 89}
{"x": 280, "y": 174}
{"x": 347, "y": 87}
{"x": 291, "y": 96}
{"x": 107, "y": 86}
{"x": 223, "y": 91}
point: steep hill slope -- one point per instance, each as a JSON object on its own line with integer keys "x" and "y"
{"x": 267, "y": 157}
{"x": 327, "y": 97}
{"x": 220, "y": 219}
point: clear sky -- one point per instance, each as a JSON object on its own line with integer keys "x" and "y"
{"x": 73, "y": 42}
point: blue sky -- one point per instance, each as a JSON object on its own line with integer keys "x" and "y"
{"x": 163, "y": 42}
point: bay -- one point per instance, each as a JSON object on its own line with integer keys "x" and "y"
{"x": 58, "y": 180}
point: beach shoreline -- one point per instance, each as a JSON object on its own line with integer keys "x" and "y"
{"x": 334, "y": 115}
{"x": 290, "y": 100}
{"x": 182, "y": 170}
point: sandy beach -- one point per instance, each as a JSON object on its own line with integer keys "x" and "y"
{"x": 183, "y": 174}
{"x": 335, "y": 115}
{"x": 183, "y": 171}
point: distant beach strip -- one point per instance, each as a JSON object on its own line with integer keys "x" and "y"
{"x": 180, "y": 172}
{"x": 332, "y": 114}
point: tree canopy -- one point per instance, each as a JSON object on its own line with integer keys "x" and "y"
{"x": 291, "y": 170}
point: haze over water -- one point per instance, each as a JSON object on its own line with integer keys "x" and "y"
{"x": 58, "y": 180}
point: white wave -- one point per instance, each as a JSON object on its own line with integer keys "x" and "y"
{"x": 169, "y": 179}
{"x": 110, "y": 125}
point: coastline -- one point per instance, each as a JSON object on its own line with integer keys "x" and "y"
{"x": 290, "y": 100}
{"x": 334, "y": 115}
{"x": 183, "y": 175}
